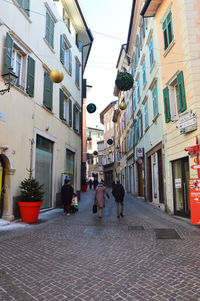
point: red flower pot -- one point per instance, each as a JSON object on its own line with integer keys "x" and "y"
{"x": 83, "y": 188}
{"x": 29, "y": 211}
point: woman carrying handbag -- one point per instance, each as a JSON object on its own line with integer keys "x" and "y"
{"x": 99, "y": 197}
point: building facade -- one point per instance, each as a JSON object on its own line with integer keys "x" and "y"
{"x": 41, "y": 121}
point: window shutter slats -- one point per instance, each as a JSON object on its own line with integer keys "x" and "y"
{"x": 62, "y": 50}
{"x": 30, "y": 76}
{"x": 70, "y": 112}
{"x": 8, "y": 53}
{"x": 70, "y": 61}
{"x": 141, "y": 125}
{"x": 80, "y": 123}
{"x": 74, "y": 117}
{"x": 26, "y": 6}
{"x": 61, "y": 108}
{"x": 181, "y": 92}
{"x": 166, "y": 104}
{"x": 48, "y": 91}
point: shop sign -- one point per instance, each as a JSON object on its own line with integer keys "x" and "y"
{"x": 195, "y": 166}
{"x": 188, "y": 122}
{"x": 140, "y": 152}
{"x": 195, "y": 200}
{"x": 178, "y": 183}
{"x": 118, "y": 158}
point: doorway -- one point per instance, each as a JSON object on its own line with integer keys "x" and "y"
{"x": 140, "y": 181}
{"x": 181, "y": 193}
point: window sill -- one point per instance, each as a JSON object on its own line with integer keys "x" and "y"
{"x": 146, "y": 129}
{"x": 48, "y": 110}
{"x": 22, "y": 11}
{"x": 67, "y": 70}
{"x": 152, "y": 67}
{"x": 144, "y": 86}
{"x": 21, "y": 90}
{"x": 65, "y": 122}
{"x": 77, "y": 132}
{"x": 49, "y": 45}
{"x": 169, "y": 48}
{"x": 77, "y": 86}
{"x": 155, "y": 118}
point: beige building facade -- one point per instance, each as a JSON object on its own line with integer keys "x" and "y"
{"x": 40, "y": 121}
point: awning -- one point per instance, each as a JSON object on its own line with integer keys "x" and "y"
{"x": 150, "y": 8}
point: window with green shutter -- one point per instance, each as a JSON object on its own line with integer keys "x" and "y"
{"x": 166, "y": 104}
{"x": 74, "y": 117}
{"x": 8, "y": 53}
{"x": 49, "y": 35}
{"x": 146, "y": 117}
{"x": 167, "y": 30}
{"x": 48, "y": 92}
{"x": 151, "y": 53}
{"x": 181, "y": 92}
{"x": 80, "y": 123}
{"x": 61, "y": 107}
{"x": 65, "y": 54}
{"x": 141, "y": 125}
{"x": 24, "y": 4}
{"x": 155, "y": 100}
{"x": 30, "y": 76}
{"x": 144, "y": 73}
{"x": 70, "y": 112}
{"x": 77, "y": 78}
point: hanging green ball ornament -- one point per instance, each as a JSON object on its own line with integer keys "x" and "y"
{"x": 89, "y": 138}
{"x": 124, "y": 81}
{"x": 91, "y": 108}
{"x": 110, "y": 141}
{"x": 95, "y": 153}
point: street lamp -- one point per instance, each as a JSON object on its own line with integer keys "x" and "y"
{"x": 9, "y": 78}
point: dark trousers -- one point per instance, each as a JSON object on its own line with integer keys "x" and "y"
{"x": 66, "y": 207}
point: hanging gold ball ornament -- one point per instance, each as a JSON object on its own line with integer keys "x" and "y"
{"x": 122, "y": 106}
{"x": 56, "y": 76}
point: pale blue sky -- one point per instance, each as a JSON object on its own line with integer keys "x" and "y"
{"x": 110, "y": 17}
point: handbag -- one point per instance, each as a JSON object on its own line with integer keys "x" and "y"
{"x": 94, "y": 208}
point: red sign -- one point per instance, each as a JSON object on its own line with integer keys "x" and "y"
{"x": 191, "y": 148}
{"x": 195, "y": 201}
{"x": 191, "y": 153}
{"x": 195, "y": 166}
{"x": 140, "y": 161}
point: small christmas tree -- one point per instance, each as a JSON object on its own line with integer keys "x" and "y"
{"x": 31, "y": 190}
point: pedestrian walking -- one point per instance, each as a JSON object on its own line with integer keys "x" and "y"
{"x": 90, "y": 183}
{"x": 95, "y": 183}
{"x": 118, "y": 193}
{"x": 67, "y": 195}
{"x": 99, "y": 197}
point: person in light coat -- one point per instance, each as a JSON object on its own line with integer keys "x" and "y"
{"x": 99, "y": 197}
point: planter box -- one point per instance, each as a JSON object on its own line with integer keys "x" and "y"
{"x": 83, "y": 188}
{"x": 29, "y": 211}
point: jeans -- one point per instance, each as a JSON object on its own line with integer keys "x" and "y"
{"x": 122, "y": 208}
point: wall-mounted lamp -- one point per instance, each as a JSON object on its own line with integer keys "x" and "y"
{"x": 9, "y": 78}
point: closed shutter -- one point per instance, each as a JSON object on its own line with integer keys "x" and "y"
{"x": 70, "y": 61}
{"x": 80, "y": 46}
{"x": 26, "y": 6}
{"x": 166, "y": 104}
{"x": 70, "y": 112}
{"x": 48, "y": 91}
{"x": 30, "y": 76}
{"x": 61, "y": 109}
{"x": 8, "y": 53}
{"x": 84, "y": 88}
{"x": 47, "y": 34}
{"x": 74, "y": 117}
{"x": 155, "y": 101}
{"x": 181, "y": 92}
{"x": 80, "y": 123}
{"x": 62, "y": 49}
{"x": 141, "y": 125}
{"x": 51, "y": 42}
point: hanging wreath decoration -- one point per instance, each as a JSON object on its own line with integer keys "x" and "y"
{"x": 95, "y": 153}
{"x": 110, "y": 141}
{"x": 124, "y": 81}
{"x": 89, "y": 138}
{"x": 91, "y": 108}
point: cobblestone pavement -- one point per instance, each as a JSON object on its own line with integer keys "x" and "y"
{"x": 82, "y": 258}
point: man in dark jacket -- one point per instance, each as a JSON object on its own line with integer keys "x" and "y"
{"x": 118, "y": 193}
{"x": 67, "y": 195}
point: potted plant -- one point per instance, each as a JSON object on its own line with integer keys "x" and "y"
{"x": 30, "y": 199}
{"x": 84, "y": 185}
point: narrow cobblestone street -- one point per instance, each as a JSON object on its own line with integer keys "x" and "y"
{"x": 80, "y": 257}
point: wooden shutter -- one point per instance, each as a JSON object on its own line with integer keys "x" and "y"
{"x": 30, "y": 76}
{"x": 62, "y": 49}
{"x": 61, "y": 108}
{"x": 181, "y": 92}
{"x": 80, "y": 123}
{"x": 8, "y": 53}
{"x": 74, "y": 117}
{"x": 26, "y": 6}
{"x": 166, "y": 104}
{"x": 51, "y": 42}
{"x": 84, "y": 92}
{"x": 70, "y": 112}
{"x": 47, "y": 34}
{"x": 70, "y": 61}
{"x": 141, "y": 125}
{"x": 80, "y": 46}
{"x": 48, "y": 91}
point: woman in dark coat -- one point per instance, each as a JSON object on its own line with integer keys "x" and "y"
{"x": 67, "y": 195}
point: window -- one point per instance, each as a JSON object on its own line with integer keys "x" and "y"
{"x": 49, "y": 35}
{"x": 77, "y": 78}
{"x": 167, "y": 30}
{"x": 174, "y": 98}
{"x": 141, "y": 125}
{"x": 23, "y": 65}
{"x": 24, "y": 4}
{"x": 155, "y": 100}
{"x": 48, "y": 92}
{"x": 79, "y": 44}
{"x": 144, "y": 73}
{"x": 134, "y": 101}
{"x": 66, "y": 19}
{"x": 77, "y": 119}
{"x": 146, "y": 118}
{"x": 65, "y": 108}
{"x": 138, "y": 89}
{"x": 65, "y": 54}
{"x": 151, "y": 54}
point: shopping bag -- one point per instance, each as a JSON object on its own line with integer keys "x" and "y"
{"x": 94, "y": 208}
{"x": 75, "y": 201}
